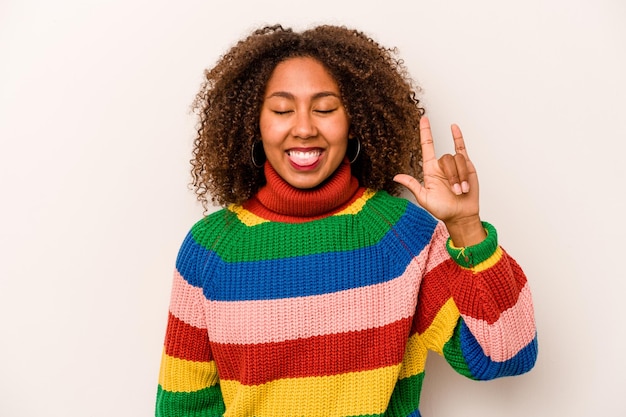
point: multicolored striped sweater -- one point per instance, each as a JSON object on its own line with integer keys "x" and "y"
{"x": 326, "y": 302}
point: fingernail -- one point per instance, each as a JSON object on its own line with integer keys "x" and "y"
{"x": 456, "y": 188}
{"x": 465, "y": 186}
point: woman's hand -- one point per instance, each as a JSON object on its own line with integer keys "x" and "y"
{"x": 450, "y": 189}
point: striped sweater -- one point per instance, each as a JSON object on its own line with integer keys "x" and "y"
{"x": 326, "y": 302}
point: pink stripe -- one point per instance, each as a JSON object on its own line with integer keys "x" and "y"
{"x": 437, "y": 250}
{"x": 187, "y": 302}
{"x": 513, "y": 331}
{"x": 263, "y": 321}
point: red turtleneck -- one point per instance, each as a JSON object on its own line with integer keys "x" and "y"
{"x": 279, "y": 201}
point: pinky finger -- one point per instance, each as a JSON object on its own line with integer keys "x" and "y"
{"x": 459, "y": 142}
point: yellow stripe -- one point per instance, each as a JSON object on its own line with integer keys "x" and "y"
{"x": 358, "y": 204}
{"x": 355, "y": 393}
{"x": 180, "y": 375}
{"x": 414, "y": 357}
{"x": 489, "y": 262}
{"x": 245, "y": 216}
{"x": 437, "y": 335}
{"x": 250, "y": 219}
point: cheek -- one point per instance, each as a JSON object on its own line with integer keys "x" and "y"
{"x": 263, "y": 124}
{"x": 270, "y": 127}
{"x": 338, "y": 132}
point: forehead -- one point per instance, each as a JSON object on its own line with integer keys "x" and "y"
{"x": 301, "y": 74}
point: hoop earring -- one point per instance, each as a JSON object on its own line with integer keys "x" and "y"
{"x": 257, "y": 154}
{"x": 358, "y": 150}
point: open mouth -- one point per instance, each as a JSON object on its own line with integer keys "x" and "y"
{"x": 304, "y": 158}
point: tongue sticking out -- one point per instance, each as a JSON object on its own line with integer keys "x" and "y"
{"x": 304, "y": 158}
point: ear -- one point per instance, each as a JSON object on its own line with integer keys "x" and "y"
{"x": 354, "y": 149}
{"x": 257, "y": 154}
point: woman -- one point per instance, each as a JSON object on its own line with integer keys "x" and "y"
{"x": 316, "y": 291}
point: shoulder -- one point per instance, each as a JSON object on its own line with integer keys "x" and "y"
{"x": 213, "y": 221}
{"x": 204, "y": 230}
{"x": 198, "y": 250}
{"x": 408, "y": 221}
{"x": 400, "y": 206}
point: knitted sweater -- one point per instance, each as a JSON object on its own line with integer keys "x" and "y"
{"x": 326, "y": 302}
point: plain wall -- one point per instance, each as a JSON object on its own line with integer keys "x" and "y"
{"x": 96, "y": 134}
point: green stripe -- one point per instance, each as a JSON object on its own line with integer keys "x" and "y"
{"x": 406, "y": 396}
{"x": 454, "y": 355}
{"x": 233, "y": 241}
{"x": 471, "y": 256}
{"x": 207, "y": 402}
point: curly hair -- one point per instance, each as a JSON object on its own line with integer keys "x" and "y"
{"x": 379, "y": 97}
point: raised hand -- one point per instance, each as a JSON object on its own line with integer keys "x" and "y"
{"x": 450, "y": 189}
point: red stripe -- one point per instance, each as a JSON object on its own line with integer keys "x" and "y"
{"x": 315, "y": 356}
{"x": 487, "y": 294}
{"x": 184, "y": 341}
{"x": 432, "y": 296}
{"x": 484, "y": 295}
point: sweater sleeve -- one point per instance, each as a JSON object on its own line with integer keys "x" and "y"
{"x": 188, "y": 380}
{"x": 476, "y": 308}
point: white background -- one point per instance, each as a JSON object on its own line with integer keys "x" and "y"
{"x": 96, "y": 135}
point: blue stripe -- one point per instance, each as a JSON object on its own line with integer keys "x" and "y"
{"x": 484, "y": 368}
{"x": 307, "y": 275}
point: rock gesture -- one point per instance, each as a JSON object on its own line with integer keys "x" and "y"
{"x": 450, "y": 189}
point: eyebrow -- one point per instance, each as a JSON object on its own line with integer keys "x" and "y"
{"x": 285, "y": 94}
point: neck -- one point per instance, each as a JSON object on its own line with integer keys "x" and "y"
{"x": 282, "y": 201}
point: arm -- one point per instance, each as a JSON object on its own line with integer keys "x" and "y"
{"x": 476, "y": 308}
{"x": 188, "y": 381}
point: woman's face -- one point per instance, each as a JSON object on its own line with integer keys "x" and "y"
{"x": 304, "y": 125}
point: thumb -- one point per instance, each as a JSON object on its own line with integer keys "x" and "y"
{"x": 409, "y": 182}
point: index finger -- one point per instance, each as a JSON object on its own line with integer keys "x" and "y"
{"x": 459, "y": 142}
{"x": 426, "y": 140}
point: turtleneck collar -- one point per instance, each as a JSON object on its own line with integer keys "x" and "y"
{"x": 283, "y": 199}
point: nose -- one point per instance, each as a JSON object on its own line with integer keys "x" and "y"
{"x": 304, "y": 126}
